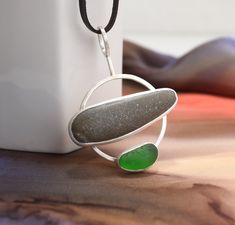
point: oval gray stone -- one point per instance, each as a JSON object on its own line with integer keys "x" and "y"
{"x": 113, "y": 119}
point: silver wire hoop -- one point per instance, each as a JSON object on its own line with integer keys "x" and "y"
{"x": 123, "y": 77}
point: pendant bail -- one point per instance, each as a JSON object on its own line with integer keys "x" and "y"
{"x": 105, "y": 48}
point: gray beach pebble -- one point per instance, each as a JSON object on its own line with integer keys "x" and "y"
{"x": 114, "y": 119}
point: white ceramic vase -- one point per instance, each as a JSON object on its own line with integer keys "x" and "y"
{"x": 48, "y": 61}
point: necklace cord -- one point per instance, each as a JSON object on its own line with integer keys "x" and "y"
{"x": 83, "y": 12}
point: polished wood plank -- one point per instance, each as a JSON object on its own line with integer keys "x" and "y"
{"x": 193, "y": 182}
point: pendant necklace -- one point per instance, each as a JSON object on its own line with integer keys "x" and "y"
{"x": 120, "y": 118}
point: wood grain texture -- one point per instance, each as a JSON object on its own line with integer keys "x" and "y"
{"x": 193, "y": 182}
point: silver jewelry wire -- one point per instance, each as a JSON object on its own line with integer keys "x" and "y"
{"x": 104, "y": 45}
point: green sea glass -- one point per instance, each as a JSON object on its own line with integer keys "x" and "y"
{"x": 138, "y": 159}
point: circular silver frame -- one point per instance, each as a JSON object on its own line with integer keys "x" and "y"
{"x": 99, "y": 84}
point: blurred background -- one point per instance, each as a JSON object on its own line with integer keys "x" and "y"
{"x": 177, "y": 26}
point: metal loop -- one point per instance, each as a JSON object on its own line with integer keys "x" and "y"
{"x": 104, "y": 45}
{"x": 103, "y": 41}
{"x": 126, "y": 77}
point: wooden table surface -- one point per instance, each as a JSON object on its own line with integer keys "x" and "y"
{"x": 193, "y": 182}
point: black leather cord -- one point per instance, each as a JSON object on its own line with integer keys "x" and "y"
{"x": 83, "y": 11}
